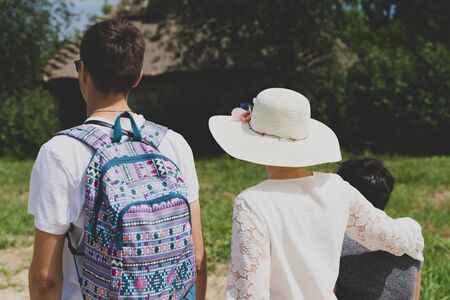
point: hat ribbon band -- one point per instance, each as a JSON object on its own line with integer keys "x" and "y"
{"x": 283, "y": 139}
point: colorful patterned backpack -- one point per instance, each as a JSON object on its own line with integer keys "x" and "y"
{"x": 138, "y": 240}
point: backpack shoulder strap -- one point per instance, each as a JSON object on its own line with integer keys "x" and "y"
{"x": 97, "y": 139}
{"x": 153, "y": 133}
{"x": 89, "y": 135}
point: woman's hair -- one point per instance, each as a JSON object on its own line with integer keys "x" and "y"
{"x": 113, "y": 53}
{"x": 370, "y": 177}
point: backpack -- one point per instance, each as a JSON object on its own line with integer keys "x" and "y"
{"x": 138, "y": 238}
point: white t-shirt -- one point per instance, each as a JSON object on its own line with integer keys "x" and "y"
{"x": 57, "y": 189}
{"x": 288, "y": 234}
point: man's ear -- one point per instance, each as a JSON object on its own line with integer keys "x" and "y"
{"x": 138, "y": 79}
{"x": 83, "y": 72}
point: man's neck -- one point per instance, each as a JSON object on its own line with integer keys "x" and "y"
{"x": 107, "y": 106}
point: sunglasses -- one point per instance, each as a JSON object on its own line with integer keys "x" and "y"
{"x": 77, "y": 65}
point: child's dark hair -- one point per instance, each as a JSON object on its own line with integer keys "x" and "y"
{"x": 370, "y": 177}
{"x": 113, "y": 53}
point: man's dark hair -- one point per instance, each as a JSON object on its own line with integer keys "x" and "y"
{"x": 370, "y": 177}
{"x": 113, "y": 53}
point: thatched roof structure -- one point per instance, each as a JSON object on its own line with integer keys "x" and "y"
{"x": 157, "y": 60}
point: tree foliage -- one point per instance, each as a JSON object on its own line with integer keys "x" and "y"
{"x": 29, "y": 119}
{"x": 107, "y": 8}
{"x": 376, "y": 71}
{"x": 280, "y": 37}
{"x": 30, "y": 34}
{"x": 420, "y": 18}
{"x": 398, "y": 93}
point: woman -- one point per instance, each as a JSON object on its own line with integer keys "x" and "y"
{"x": 288, "y": 230}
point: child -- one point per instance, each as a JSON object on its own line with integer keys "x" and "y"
{"x": 288, "y": 230}
{"x": 374, "y": 275}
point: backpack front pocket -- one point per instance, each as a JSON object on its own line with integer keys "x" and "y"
{"x": 156, "y": 246}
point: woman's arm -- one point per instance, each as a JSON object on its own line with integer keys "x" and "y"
{"x": 375, "y": 230}
{"x": 249, "y": 273}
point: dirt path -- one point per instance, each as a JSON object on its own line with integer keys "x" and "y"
{"x": 217, "y": 283}
{"x": 14, "y": 264}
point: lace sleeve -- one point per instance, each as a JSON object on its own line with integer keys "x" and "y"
{"x": 375, "y": 230}
{"x": 249, "y": 273}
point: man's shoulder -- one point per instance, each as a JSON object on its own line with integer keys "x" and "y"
{"x": 58, "y": 142}
{"x": 174, "y": 136}
{"x": 63, "y": 143}
{"x": 65, "y": 149}
{"x": 173, "y": 141}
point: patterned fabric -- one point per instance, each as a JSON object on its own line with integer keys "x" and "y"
{"x": 138, "y": 242}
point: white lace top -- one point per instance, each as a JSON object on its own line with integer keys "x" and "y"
{"x": 287, "y": 237}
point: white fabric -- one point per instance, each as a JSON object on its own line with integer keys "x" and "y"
{"x": 57, "y": 189}
{"x": 280, "y": 133}
{"x": 288, "y": 234}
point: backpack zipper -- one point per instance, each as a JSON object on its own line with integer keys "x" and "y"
{"x": 130, "y": 159}
{"x": 119, "y": 227}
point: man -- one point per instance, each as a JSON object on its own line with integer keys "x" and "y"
{"x": 374, "y": 275}
{"x": 110, "y": 65}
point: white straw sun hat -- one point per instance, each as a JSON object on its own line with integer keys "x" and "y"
{"x": 280, "y": 132}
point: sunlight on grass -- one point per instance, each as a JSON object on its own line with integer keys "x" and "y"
{"x": 422, "y": 191}
{"x": 17, "y": 225}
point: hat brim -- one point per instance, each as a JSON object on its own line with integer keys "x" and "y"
{"x": 238, "y": 140}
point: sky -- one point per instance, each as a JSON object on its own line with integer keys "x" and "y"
{"x": 84, "y": 10}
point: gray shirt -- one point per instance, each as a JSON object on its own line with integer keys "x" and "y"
{"x": 367, "y": 275}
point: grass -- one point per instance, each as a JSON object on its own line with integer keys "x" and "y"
{"x": 422, "y": 191}
{"x": 17, "y": 226}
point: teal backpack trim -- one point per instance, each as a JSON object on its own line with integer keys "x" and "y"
{"x": 117, "y": 135}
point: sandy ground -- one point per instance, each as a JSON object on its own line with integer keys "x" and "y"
{"x": 14, "y": 264}
{"x": 217, "y": 283}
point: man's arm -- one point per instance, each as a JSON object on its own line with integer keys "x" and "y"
{"x": 45, "y": 274}
{"x": 200, "y": 253}
{"x": 418, "y": 285}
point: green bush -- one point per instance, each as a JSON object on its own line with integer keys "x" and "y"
{"x": 399, "y": 99}
{"x": 28, "y": 120}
